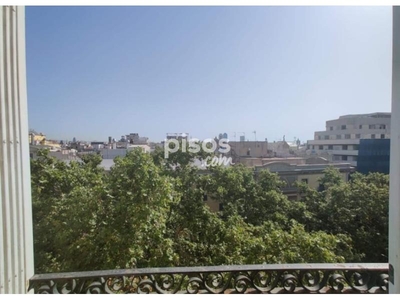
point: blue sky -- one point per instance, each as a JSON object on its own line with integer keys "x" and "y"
{"x": 95, "y": 72}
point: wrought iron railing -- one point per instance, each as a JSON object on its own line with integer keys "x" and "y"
{"x": 281, "y": 278}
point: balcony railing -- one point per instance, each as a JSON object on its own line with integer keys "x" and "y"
{"x": 280, "y": 278}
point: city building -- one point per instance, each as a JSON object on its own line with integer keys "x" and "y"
{"x": 252, "y": 153}
{"x": 145, "y": 148}
{"x": 77, "y": 145}
{"x": 97, "y": 145}
{"x": 280, "y": 149}
{"x": 63, "y": 155}
{"x": 374, "y": 156}
{"x": 178, "y": 136}
{"x": 36, "y": 138}
{"x": 248, "y": 149}
{"x": 223, "y": 136}
{"x": 113, "y": 153}
{"x": 308, "y": 173}
{"x": 341, "y": 138}
{"x": 121, "y": 144}
{"x": 134, "y": 138}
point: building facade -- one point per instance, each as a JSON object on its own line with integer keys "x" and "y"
{"x": 113, "y": 153}
{"x": 248, "y": 149}
{"x": 36, "y": 138}
{"x": 339, "y": 142}
{"x": 374, "y": 156}
{"x": 134, "y": 138}
{"x": 307, "y": 173}
{"x": 97, "y": 145}
{"x": 252, "y": 153}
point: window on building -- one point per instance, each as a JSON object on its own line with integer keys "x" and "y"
{"x": 360, "y": 126}
{"x": 343, "y": 127}
{"x": 326, "y": 137}
{"x": 355, "y": 147}
{"x": 382, "y": 136}
{"x": 347, "y": 136}
{"x": 358, "y": 136}
{"x": 344, "y": 147}
{"x": 382, "y": 126}
{"x": 320, "y": 147}
{"x": 248, "y": 152}
{"x": 372, "y": 136}
{"x": 313, "y": 147}
{"x": 305, "y": 180}
{"x": 330, "y": 147}
{"x": 371, "y": 126}
{"x": 344, "y": 157}
{"x": 338, "y": 136}
{"x": 331, "y": 128}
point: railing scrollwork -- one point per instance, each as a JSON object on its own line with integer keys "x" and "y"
{"x": 288, "y": 278}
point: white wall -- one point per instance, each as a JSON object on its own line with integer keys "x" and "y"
{"x": 394, "y": 193}
{"x": 16, "y": 243}
{"x": 113, "y": 153}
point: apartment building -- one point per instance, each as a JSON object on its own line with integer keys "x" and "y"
{"x": 290, "y": 173}
{"x": 134, "y": 138}
{"x": 249, "y": 149}
{"x": 339, "y": 142}
{"x": 252, "y": 153}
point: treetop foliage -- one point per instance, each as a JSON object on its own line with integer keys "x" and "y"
{"x": 145, "y": 212}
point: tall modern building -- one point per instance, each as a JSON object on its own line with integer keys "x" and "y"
{"x": 341, "y": 138}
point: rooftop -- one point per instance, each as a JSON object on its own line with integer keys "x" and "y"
{"x": 371, "y": 115}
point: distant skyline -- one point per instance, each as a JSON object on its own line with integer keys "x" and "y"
{"x": 95, "y": 72}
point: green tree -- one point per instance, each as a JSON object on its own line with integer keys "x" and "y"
{"x": 66, "y": 212}
{"x": 331, "y": 178}
{"x": 149, "y": 212}
{"x": 358, "y": 208}
{"x": 138, "y": 199}
{"x": 254, "y": 199}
